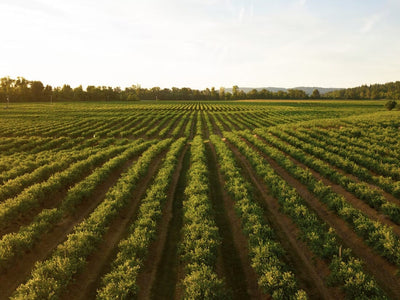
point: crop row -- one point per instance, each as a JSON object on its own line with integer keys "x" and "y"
{"x": 200, "y": 237}
{"x": 360, "y": 189}
{"x": 121, "y": 281}
{"x": 346, "y": 270}
{"x": 275, "y": 277}
{"x": 344, "y": 163}
{"x": 32, "y": 196}
{"x": 14, "y": 244}
{"x": 375, "y": 234}
{"x": 50, "y": 277}
{"x": 360, "y": 157}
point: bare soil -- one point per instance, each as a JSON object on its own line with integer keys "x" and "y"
{"x": 148, "y": 273}
{"x": 351, "y": 198}
{"x": 169, "y": 270}
{"x": 12, "y": 277}
{"x": 384, "y": 272}
{"x": 217, "y": 131}
{"x": 85, "y": 284}
{"x": 204, "y": 128}
{"x": 234, "y": 259}
{"x": 193, "y": 125}
{"x": 52, "y": 200}
{"x": 310, "y": 270}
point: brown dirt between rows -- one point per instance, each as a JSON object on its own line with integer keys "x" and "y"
{"x": 171, "y": 129}
{"x": 224, "y": 125}
{"x": 371, "y": 172}
{"x": 52, "y": 200}
{"x": 182, "y": 130}
{"x": 204, "y": 128}
{"x": 216, "y": 129}
{"x": 12, "y": 277}
{"x": 148, "y": 273}
{"x": 193, "y": 125}
{"x": 389, "y": 197}
{"x": 249, "y": 126}
{"x": 351, "y": 198}
{"x": 239, "y": 240}
{"x": 310, "y": 270}
{"x": 230, "y": 123}
{"x": 384, "y": 272}
{"x": 84, "y": 284}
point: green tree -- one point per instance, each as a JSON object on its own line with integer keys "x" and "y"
{"x": 214, "y": 95}
{"x": 315, "y": 94}
{"x": 48, "y": 93}
{"x": 221, "y": 93}
{"x": 66, "y": 92}
{"x": 37, "y": 90}
{"x": 253, "y": 94}
{"x": 235, "y": 92}
{"x": 79, "y": 94}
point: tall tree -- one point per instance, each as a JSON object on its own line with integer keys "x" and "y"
{"x": 315, "y": 94}
{"x": 235, "y": 92}
{"x": 221, "y": 93}
{"x": 37, "y": 88}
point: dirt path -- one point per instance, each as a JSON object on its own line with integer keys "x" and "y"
{"x": 309, "y": 270}
{"x": 171, "y": 129}
{"x": 220, "y": 119}
{"x": 147, "y": 275}
{"x": 182, "y": 130}
{"x": 383, "y": 271}
{"x": 193, "y": 125}
{"x": 12, "y": 277}
{"x": 350, "y": 198}
{"x": 52, "y": 200}
{"x": 167, "y": 270}
{"x": 234, "y": 255}
{"x": 86, "y": 283}
{"x": 206, "y": 133}
{"x": 217, "y": 131}
{"x": 353, "y": 200}
{"x": 339, "y": 169}
{"x": 389, "y": 197}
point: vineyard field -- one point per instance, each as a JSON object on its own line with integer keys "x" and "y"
{"x": 200, "y": 200}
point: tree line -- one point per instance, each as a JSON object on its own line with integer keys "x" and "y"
{"x": 22, "y": 90}
{"x": 390, "y": 90}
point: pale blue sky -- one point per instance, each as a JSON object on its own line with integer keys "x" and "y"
{"x": 201, "y": 43}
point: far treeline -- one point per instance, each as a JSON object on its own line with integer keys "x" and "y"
{"x": 23, "y": 90}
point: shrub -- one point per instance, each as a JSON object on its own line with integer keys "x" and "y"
{"x": 390, "y": 104}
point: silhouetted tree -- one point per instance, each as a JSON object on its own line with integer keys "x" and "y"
{"x": 315, "y": 94}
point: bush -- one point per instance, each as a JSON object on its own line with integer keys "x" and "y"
{"x": 390, "y": 104}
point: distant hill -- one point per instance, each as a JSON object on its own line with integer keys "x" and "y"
{"x": 307, "y": 90}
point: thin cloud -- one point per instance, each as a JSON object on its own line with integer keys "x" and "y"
{"x": 371, "y": 22}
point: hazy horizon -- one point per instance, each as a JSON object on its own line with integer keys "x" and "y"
{"x": 201, "y": 43}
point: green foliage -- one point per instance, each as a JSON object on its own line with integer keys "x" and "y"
{"x": 70, "y": 257}
{"x": 321, "y": 239}
{"x": 200, "y": 234}
{"x": 203, "y": 283}
{"x": 120, "y": 282}
{"x": 75, "y": 147}
{"x": 389, "y": 105}
{"x": 275, "y": 277}
{"x": 390, "y": 90}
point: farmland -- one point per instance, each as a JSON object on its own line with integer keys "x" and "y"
{"x": 200, "y": 200}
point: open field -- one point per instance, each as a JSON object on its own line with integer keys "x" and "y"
{"x": 200, "y": 200}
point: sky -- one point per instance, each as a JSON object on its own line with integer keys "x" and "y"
{"x": 201, "y": 43}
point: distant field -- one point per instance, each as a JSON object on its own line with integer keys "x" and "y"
{"x": 200, "y": 200}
